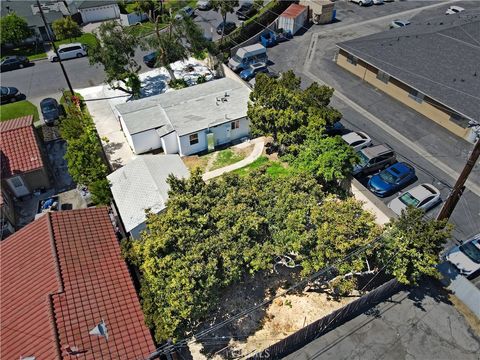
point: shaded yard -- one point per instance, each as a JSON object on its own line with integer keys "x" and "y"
{"x": 274, "y": 168}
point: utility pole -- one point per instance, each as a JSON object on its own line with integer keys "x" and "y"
{"x": 459, "y": 187}
{"x": 55, "y": 48}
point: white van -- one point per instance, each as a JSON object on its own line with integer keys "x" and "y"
{"x": 68, "y": 51}
{"x": 245, "y": 56}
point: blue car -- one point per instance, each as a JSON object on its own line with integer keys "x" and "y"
{"x": 392, "y": 179}
{"x": 252, "y": 70}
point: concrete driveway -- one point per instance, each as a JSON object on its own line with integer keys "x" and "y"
{"x": 418, "y": 324}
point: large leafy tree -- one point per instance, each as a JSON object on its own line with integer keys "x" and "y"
{"x": 182, "y": 38}
{"x": 66, "y": 28}
{"x": 224, "y": 7}
{"x": 281, "y": 109}
{"x": 14, "y": 29}
{"x": 115, "y": 50}
{"x": 327, "y": 158}
{"x": 212, "y": 234}
{"x": 412, "y": 245}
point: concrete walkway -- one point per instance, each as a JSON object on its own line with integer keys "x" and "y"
{"x": 255, "y": 154}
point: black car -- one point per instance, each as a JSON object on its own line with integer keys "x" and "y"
{"x": 14, "y": 62}
{"x": 228, "y": 27}
{"x": 245, "y": 11}
{"x": 9, "y": 94}
{"x": 150, "y": 59}
{"x": 51, "y": 111}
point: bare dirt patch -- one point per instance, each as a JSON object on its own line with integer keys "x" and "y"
{"x": 195, "y": 161}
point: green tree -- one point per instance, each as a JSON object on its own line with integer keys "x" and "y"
{"x": 14, "y": 29}
{"x": 224, "y": 7}
{"x": 100, "y": 190}
{"x": 258, "y": 4}
{"x": 412, "y": 245}
{"x": 115, "y": 50}
{"x": 327, "y": 158}
{"x": 182, "y": 38}
{"x": 281, "y": 109}
{"x": 66, "y": 28}
{"x": 213, "y": 234}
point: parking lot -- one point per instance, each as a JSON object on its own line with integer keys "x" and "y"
{"x": 437, "y": 155}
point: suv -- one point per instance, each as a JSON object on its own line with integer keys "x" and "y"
{"x": 68, "y": 51}
{"x": 253, "y": 70}
{"x": 245, "y": 11}
{"x": 373, "y": 159}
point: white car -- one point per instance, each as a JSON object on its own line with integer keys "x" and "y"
{"x": 377, "y": 2}
{"x": 357, "y": 139}
{"x": 466, "y": 257}
{"x": 204, "y": 5}
{"x": 362, "y": 2}
{"x": 454, "y": 10}
{"x": 424, "y": 196}
{"x": 68, "y": 51}
{"x": 395, "y": 24}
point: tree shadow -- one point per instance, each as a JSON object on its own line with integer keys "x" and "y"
{"x": 428, "y": 287}
{"x": 111, "y": 147}
{"x": 154, "y": 85}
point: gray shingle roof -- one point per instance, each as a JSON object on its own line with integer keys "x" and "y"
{"x": 439, "y": 58}
{"x": 188, "y": 110}
{"x": 141, "y": 185}
{"x": 85, "y": 4}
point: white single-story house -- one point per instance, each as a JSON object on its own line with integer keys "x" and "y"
{"x": 141, "y": 186}
{"x": 93, "y": 10}
{"x": 187, "y": 121}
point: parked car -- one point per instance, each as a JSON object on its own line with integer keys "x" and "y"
{"x": 424, "y": 196}
{"x": 245, "y": 11}
{"x": 395, "y": 24}
{"x": 253, "y": 70}
{"x": 373, "y": 159}
{"x": 204, "y": 5}
{"x": 187, "y": 11}
{"x": 392, "y": 179}
{"x": 377, "y": 2}
{"x": 228, "y": 27}
{"x": 357, "y": 139}
{"x": 454, "y": 10}
{"x": 247, "y": 55}
{"x": 51, "y": 110}
{"x": 9, "y": 94}
{"x": 150, "y": 59}
{"x": 68, "y": 51}
{"x": 14, "y": 62}
{"x": 466, "y": 257}
{"x": 362, "y": 2}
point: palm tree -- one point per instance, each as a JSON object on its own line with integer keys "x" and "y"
{"x": 224, "y": 7}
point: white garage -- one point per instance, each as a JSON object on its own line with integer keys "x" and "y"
{"x": 93, "y": 11}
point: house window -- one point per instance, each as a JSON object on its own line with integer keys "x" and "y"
{"x": 352, "y": 59}
{"x": 235, "y": 124}
{"x": 383, "y": 77}
{"x": 415, "y": 95}
{"x": 193, "y": 139}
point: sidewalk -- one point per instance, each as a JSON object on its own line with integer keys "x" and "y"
{"x": 256, "y": 153}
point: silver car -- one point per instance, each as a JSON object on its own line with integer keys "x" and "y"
{"x": 424, "y": 196}
{"x": 357, "y": 139}
{"x": 466, "y": 257}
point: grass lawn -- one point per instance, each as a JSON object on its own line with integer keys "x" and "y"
{"x": 274, "y": 169}
{"x": 143, "y": 29}
{"x": 18, "y": 109}
{"x": 33, "y": 53}
{"x": 226, "y": 157}
{"x": 87, "y": 39}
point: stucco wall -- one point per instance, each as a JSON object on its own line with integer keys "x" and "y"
{"x": 400, "y": 92}
{"x": 170, "y": 143}
{"x": 146, "y": 141}
{"x": 187, "y": 149}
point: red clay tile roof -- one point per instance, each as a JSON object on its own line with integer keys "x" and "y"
{"x": 93, "y": 284}
{"x": 293, "y": 11}
{"x": 19, "y": 147}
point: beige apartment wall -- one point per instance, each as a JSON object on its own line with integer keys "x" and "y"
{"x": 400, "y": 91}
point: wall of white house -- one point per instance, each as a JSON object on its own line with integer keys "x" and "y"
{"x": 170, "y": 143}
{"x": 146, "y": 141}
{"x": 125, "y": 132}
{"x": 222, "y": 133}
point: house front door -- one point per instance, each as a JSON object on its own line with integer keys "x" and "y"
{"x": 18, "y": 186}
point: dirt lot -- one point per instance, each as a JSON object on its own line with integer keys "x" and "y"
{"x": 266, "y": 325}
